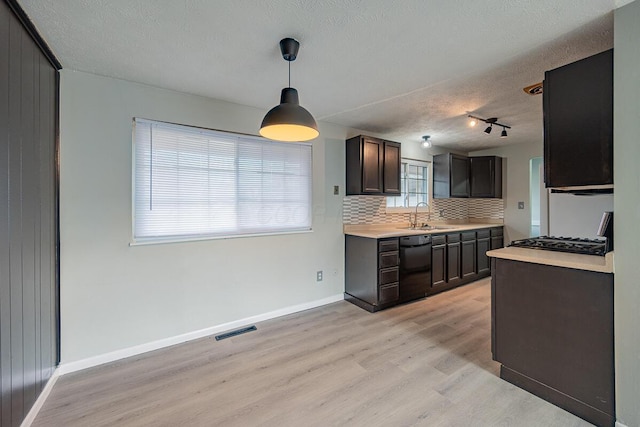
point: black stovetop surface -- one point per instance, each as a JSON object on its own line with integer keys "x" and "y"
{"x": 564, "y": 244}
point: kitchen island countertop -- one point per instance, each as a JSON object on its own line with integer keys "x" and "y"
{"x": 601, "y": 264}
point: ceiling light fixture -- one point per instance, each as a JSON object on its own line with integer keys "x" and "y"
{"x": 491, "y": 121}
{"x": 426, "y": 143}
{"x": 289, "y": 121}
{"x": 473, "y": 122}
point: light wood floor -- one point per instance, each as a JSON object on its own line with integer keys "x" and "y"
{"x": 427, "y": 363}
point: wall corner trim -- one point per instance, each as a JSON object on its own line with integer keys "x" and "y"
{"x": 35, "y": 409}
{"x": 65, "y": 368}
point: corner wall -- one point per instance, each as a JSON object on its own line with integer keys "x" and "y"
{"x": 515, "y": 185}
{"x": 626, "y": 130}
{"x": 114, "y": 296}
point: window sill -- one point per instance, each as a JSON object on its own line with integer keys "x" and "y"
{"x": 161, "y": 241}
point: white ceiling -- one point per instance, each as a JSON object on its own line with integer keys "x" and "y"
{"x": 401, "y": 69}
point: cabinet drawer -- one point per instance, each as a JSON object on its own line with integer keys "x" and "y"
{"x": 438, "y": 240}
{"x": 388, "y": 259}
{"x": 452, "y": 238}
{"x": 483, "y": 234}
{"x": 388, "y": 275}
{"x": 468, "y": 235}
{"x": 388, "y": 293}
{"x": 496, "y": 231}
{"x": 387, "y": 245}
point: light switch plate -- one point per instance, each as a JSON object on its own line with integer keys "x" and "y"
{"x": 336, "y": 190}
{"x": 520, "y": 205}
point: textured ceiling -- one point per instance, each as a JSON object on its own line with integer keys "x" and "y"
{"x": 401, "y": 69}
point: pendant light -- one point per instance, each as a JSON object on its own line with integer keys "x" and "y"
{"x": 289, "y": 121}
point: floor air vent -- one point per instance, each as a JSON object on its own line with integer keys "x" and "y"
{"x": 236, "y": 332}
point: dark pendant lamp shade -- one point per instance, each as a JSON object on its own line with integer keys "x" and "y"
{"x": 289, "y": 121}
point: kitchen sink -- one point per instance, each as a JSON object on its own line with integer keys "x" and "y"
{"x": 430, "y": 227}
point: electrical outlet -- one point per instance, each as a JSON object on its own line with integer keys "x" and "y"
{"x": 319, "y": 276}
{"x": 520, "y": 205}
{"x": 336, "y": 190}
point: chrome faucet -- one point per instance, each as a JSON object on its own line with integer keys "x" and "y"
{"x": 414, "y": 223}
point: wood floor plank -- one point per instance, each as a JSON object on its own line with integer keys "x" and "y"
{"x": 425, "y": 363}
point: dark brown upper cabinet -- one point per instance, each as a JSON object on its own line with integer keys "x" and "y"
{"x": 578, "y": 123}
{"x": 373, "y": 166}
{"x": 450, "y": 176}
{"x": 486, "y": 177}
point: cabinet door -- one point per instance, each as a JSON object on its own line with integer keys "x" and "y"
{"x": 468, "y": 259}
{"x": 454, "y": 263}
{"x": 459, "y": 176}
{"x": 372, "y": 157}
{"x": 497, "y": 242}
{"x": 438, "y": 266}
{"x": 391, "y": 173}
{"x": 483, "y": 265}
{"x": 578, "y": 123}
{"x": 486, "y": 176}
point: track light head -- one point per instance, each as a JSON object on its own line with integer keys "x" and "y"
{"x": 490, "y": 121}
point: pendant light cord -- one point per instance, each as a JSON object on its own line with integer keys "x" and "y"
{"x": 289, "y": 73}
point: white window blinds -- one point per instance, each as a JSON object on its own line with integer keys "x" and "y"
{"x": 193, "y": 183}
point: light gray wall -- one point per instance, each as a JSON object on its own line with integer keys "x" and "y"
{"x": 627, "y": 211}
{"x": 114, "y": 296}
{"x": 515, "y": 185}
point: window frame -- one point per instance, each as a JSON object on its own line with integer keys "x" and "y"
{"x": 410, "y": 209}
{"x": 141, "y": 241}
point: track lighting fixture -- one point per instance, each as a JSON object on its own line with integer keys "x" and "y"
{"x": 490, "y": 121}
{"x": 426, "y": 143}
{"x": 289, "y": 121}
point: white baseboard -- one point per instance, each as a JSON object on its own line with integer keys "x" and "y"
{"x": 619, "y": 424}
{"x": 33, "y": 412}
{"x": 65, "y": 368}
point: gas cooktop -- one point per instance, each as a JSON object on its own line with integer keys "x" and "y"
{"x": 564, "y": 244}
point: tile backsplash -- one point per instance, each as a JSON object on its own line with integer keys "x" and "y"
{"x": 372, "y": 210}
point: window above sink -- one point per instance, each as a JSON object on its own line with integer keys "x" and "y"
{"x": 415, "y": 184}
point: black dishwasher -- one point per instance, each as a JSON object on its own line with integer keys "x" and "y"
{"x": 415, "y": 267}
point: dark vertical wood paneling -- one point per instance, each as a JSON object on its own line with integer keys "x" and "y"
{"x": 5, "y": 291}
{"x": 15, "y": 221}
{"x": 28, "y": 219}
{"x": 30, "y": 194}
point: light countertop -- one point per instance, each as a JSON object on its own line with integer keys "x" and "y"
{"x": 602, "y": 264}
{"x": 380, "y": 231}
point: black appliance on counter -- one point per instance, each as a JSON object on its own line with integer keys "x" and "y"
{"x": 574, "y": 245}
{"x": 415, "y": 267}
{"x": 563, "y": 244}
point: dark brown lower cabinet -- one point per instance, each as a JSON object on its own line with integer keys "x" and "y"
{"x": 483, "y": 263}
{"x": 438, "y": 266}
{"x": 371, "y": 272}
{"x": 454, "y": 263}
{"x": 469, "y": 255}
{"x": 552, "y": 331}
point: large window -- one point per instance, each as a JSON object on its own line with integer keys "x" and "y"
{"x": 192, "y": 183}
{"x": 414, "y": 183}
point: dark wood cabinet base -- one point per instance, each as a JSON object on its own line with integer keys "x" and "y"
{"x": 371, "y": 308}
{"x": 558, "y": 398}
